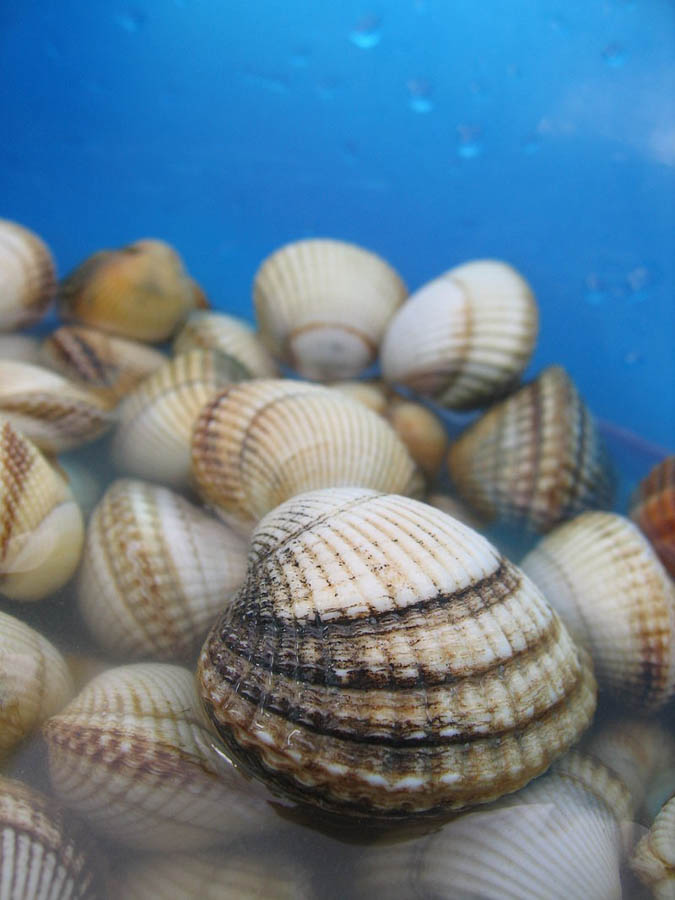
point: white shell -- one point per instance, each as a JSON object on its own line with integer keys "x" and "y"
{"x": 20, "y": 347}
{"x": 27, "y": 276}
{"x": 230, "y": 336}
{"x": 654, "y": 857}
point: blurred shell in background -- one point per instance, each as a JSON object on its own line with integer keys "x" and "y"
{"x": 21, "y": 348}
{"x": 231, "y": 336}
{"x": 653, "y": 509}
{"x": 27, "y": 276}
{"x": 323, "y": 305}
{"x": 654, "y": 857}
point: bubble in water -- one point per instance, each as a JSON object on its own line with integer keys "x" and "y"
{"x": 366, "y": 33}
{"x": 327, "y": 87}
{"x": 633, "y": 357}
{"x": 469, "y": 143}
{"x": 419, "y": 95}
{"x": 129, "y": 20}
{"x": 560, "y": 24}
{"x": 614, "y": 54}
{"x": 616, "y": 282}
{"x": 531, "y": 143}
{"x": 300, "y": 57}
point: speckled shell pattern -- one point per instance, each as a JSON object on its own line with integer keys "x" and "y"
{"x": 132, "y": 756}
{"x": 465, "y": 337}
{"x": 654, "y": 857}
{"x": 384, "y": 660}
{"x": 229, "y": 335}
{"x": 34, "y": 682}
{"x": 653, "y": 509}
{"x": 535, "y": 459}
{"x": 41, "y": 527}
{"x": 42, "y": 856}
{"x": 602, "y": 576}
{"x": 27, "y": 276}
{"x": 155, "y": 572}
{"x": 322, "y": 306}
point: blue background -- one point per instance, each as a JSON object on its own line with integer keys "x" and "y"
{"x": 431, "y": 131}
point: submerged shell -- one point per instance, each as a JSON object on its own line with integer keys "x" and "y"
{"x": 40, "y": 522}
{"x": 654, "y": 857}
{"x": 464, "y": 338}
{"x": 27, "y": 276}
{"x": 34, "y": 682}
{"x": 535, "y": 459}
{"x": 230, "y": 336}
{"x": 258, "y": 443}
{"x": 382, "y": 659}
{"x": 323, "y": 305}
{"x": 20, "y": 347}
{"x": 155, "y": 572}
{"x": 602, "y": 576}
{"x": 653, "y": 509}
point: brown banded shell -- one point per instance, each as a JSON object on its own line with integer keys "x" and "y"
{"x": 40, "y": 522}
{"x": 155, "y": 572}
{"x": 535, "y": 459}
{"x": 34, "y": 682}
{"x": 131, "y": 755}
{"x": 323, "y": 305}
{"x": 602, "y": 576}
{"x": 465, "y": 337}
{"x": 27, "y": 276}
{"x": 384, "y": 660}
{"x": 258, "y": 443}
{"x": 230, "y": 336}
{"x": 140, "y": 291}
{"x": 42, "y": 856}
{"x": 654, "y": 857}
{"x": 653, "y": 510}
{"x": 152, "y": 439}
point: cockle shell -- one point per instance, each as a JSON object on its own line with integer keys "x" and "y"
{"x": 34, "y": 682}
{"x": 230, "y": 336}
{"x": 257, "y": 443}
{"x": 654, "y": 857}
{"x": 535, "y": 459}
{"x": 155, "y": 572}
{"x": 465, "y": 337}
{"x": 382, "y": 659}
{"x": 27, "y": 276}
{"x": 132, "y": 756}
{"x": 140, "y": 291}
{"x": 20, "y": 347}
{"x": 323, "y": 305}
{"x": 653, "y": 509}
{"x": 40, "y": 522}
{"x": 42, "y": 856}
{"x": 602, "y": 576}
{"x": 152, "y": 439}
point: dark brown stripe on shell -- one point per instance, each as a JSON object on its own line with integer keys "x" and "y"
{"x": 17, "y": 462}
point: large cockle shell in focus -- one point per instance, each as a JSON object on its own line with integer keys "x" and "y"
{"x": 40, "y": 522}
{"x": 131, "y": 755}
{"x": 42, "y": 856}
{"x": 602, "y": 576}
{"x": 34, "y": 681}
{"x": 382, "y": 659}
{"x": 152, "y": 439}
{"x": 465, "y": 337}
{"x": 323, "y": 305}
{"x": 258, "y": 443}
{"x": 27, "y": 276}
{"x": 140, "y": 291}
{"x": 155, "y": 572}
{"x": 654, "y": 857}
{"x": 535, "y": 459}
{"x": 230, "y": 336}
{"x": 653, "y": 509}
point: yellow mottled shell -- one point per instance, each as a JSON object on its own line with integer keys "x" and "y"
{"x": 654, "y": 857}
{"x": 322, "y": 306}
{"x": 27, "y": 276}
{"x": 230, "y": 336}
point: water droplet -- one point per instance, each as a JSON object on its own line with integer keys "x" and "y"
{"x": 595, "y": 293}
{"x": 513, "y": 70}
{"x": 350, "y": 151}
{"x": 131, "y": 20}
{"x": 478, "y": 88}
{"x": 327, "y": 87}
{"x": 531, "y": 143}
{"x": 633, "y": 357}
{"x": 469, "y": 143}
{"x": 560, "y": 24}
{"x": 421, "y": 6}
{"x": 419, "y": 99}
{"x": 614, "y": 54}
{"x": 366, "y": 33}
{"x": 300, "y": 58}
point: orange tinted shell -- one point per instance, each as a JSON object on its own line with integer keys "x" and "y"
{"x": 653, "y": 509}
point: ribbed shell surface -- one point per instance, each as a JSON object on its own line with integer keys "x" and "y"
{"x": 654, "y": 856}
{"x": 465, "y": 337}
{"x": 230, "y": 336}
{"x": 258, "y": 443}
{"x": 653, "y": 509}
{"x": 27, "y": 276}
{"x": 155, "y": 572}
{"x": 383, "y": 660}
{"x": 323, "y": 305}
{"x": 535, "y": 459}
{"x": 606, "y": 582}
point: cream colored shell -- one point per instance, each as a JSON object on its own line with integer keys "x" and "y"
{"x": 465, "y": 337}
{"x": 27, "y": 276}
{"x": 155, "y": 572}
{"x": 20, "y": 347}
{"x": 602, "y": 576}
{"x": 323, "y": 305}
{"x": 654, "y": 857}
{"x": 230, "y": 336}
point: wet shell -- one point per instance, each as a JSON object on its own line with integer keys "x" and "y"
{"x": 653, "y": 509}
{"x": 464, "y": 338}
{"x": 258, "y": 443}
{"x": 43, "y": 857}
{"x": 152, "y": 439}
{"x": 535, "y": 459}
{"x": 231, "y": 336}
{"x": 54, "y": 413}
{"x": 155, "y": 572}
{"x": 654, "y": 857}
{"x": 383, "y": 660}
{"x": 602, "y": 576}
{"x": 140, "y": 291}
{"x": 323, "y": 305}
{"x": 131, "y": 755}
{"x": 27, "y": 276}
{"x": 34, "y": 682}
{"x": 41, "y": 525}
{"x": 20, "y": 348}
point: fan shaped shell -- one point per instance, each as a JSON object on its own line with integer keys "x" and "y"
{"x": 230, "y": 336}
{"x": 27, "y": 276}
